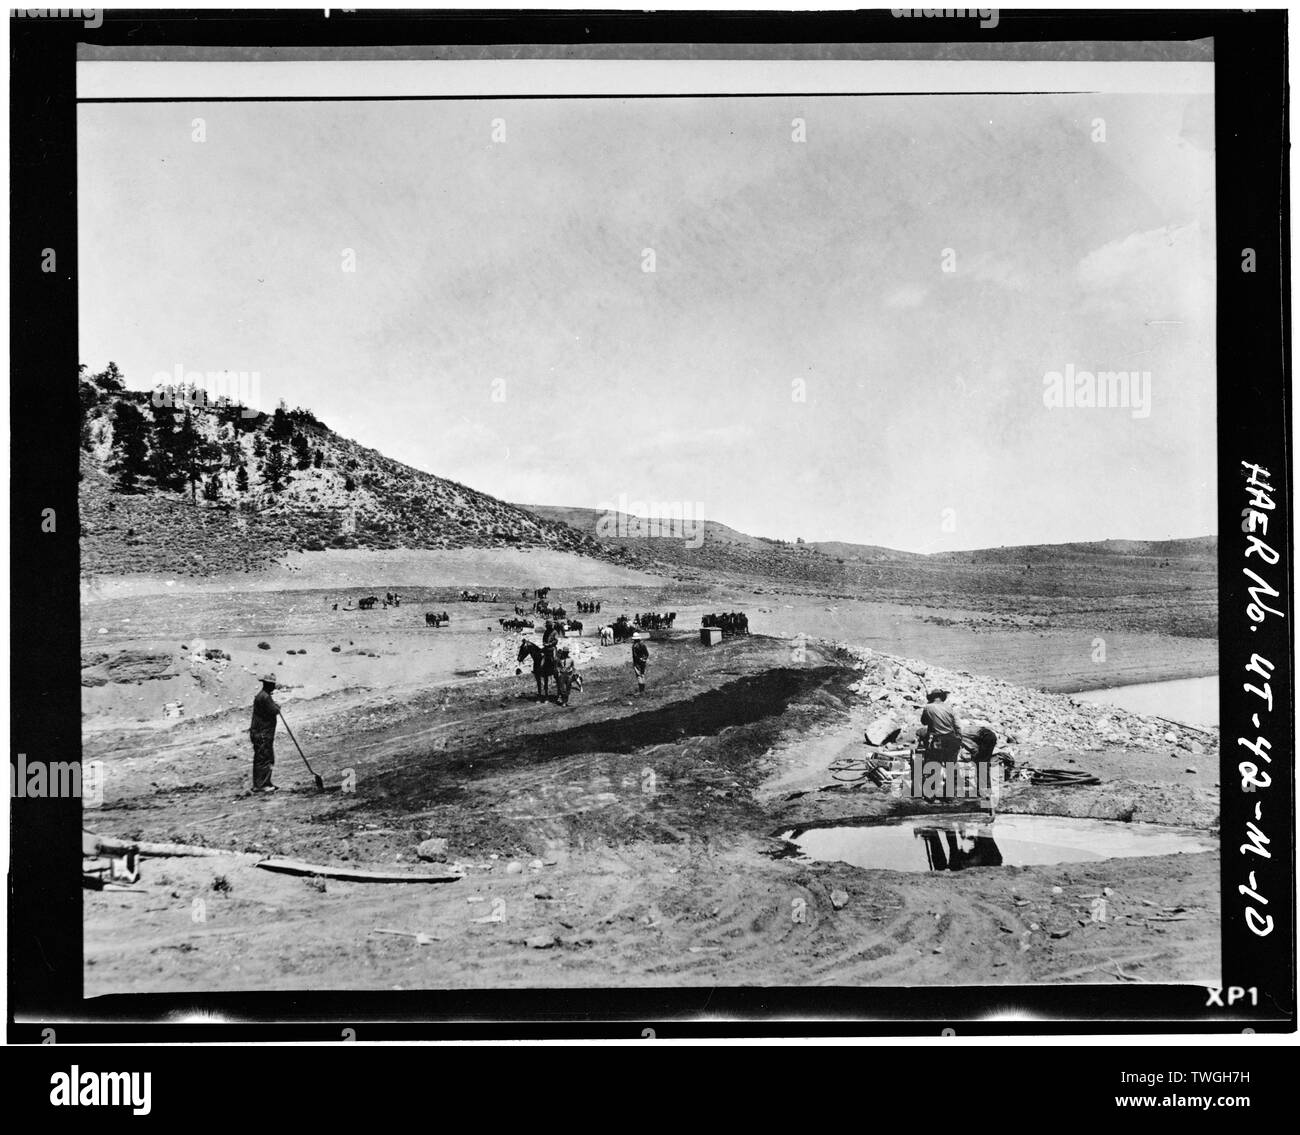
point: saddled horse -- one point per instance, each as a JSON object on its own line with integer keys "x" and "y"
{"x": 543, "y": 666}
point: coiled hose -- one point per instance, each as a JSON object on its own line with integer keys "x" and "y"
{"x": 1061, "y": 778}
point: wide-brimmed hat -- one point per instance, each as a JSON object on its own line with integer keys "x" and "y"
{"x": 269, "y": 678}
{"x": 934, "y": 695}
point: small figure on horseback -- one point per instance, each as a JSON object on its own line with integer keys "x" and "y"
{"x": 543, "y": 666}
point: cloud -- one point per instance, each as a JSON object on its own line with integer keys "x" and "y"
{"x": 911, "y": 295}
{"x": 702, "y": 439}
{"x": 992, "y": 269}
{"x": 1155, "y": 260}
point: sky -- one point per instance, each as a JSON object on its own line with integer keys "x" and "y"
{"x": 500, "y": 328}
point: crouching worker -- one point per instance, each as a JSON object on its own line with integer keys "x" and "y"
{"x": 978, "y": 742}
{"x": 262, "y": 733}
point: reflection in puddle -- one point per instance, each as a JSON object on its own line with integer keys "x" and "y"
{"x": 954, "y": 843}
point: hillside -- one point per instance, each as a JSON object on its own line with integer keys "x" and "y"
{"x": 204, "y": 489}
{"x": 728, "y": 551}
{"x": 1143, "y": 586}
{"x": 718, "y": 548}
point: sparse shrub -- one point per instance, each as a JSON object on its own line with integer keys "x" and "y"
{"x": 263, "y": 646}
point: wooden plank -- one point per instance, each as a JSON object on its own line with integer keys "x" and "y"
{"x": 92, "y": 844}
{"x": 357, "y": 874}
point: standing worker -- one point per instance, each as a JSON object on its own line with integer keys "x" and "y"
{"x": 262, "y": 733}
{"x": 941, "y": 731}
{"x": 566, "y": 676}
{"x": 550, "y": 641}
{"x": 640, "y": 658}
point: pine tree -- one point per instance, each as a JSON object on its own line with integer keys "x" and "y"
{"x": 281, "y": 428}
{"x": 162, "y": 456}
{"x": 276, "y": 468}
{"x": 110, "y": 379}
{"x": 191, "y": 453}
{"x": 318, "y": 460}
{"x": 241, "y": 478}
{"x": 130, "y": 446}
{"x": 301, "y": 451}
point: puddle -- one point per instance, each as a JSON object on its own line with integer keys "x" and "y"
{"x": 955, "y": 843}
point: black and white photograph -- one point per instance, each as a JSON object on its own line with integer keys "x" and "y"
{"x": 600, "y": 507}
{"x": 625, "y": 517}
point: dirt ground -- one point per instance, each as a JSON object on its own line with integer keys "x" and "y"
{"x": 620, "y": 840}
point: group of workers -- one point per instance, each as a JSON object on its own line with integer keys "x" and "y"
{"x": 943, "y": 738}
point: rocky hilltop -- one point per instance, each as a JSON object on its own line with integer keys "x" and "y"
{"x": 171, "y": 484}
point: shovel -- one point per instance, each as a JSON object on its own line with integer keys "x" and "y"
{"x": 319, "y": 783}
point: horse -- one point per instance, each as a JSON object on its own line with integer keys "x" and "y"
{"x": 606, "y": 636}
{"x": 543, "y": 667}
{"x": 367, "y": 603}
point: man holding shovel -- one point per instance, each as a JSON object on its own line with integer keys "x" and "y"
{"x": 262, "y": 733}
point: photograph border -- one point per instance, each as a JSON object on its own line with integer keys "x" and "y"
{"x": 1254, "y": 419}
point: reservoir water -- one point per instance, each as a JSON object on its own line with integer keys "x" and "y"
{"x": 1192, "y": 700}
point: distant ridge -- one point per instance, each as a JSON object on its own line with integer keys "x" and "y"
{"x": 727, "y": 549}
{"x": 1188, "y": 547}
